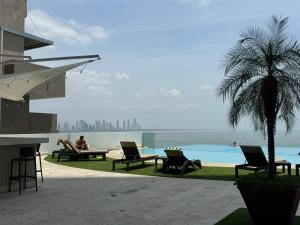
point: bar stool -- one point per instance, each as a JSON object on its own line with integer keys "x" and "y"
{"x": 38, "y": 153}
{"x": 27, "y": 154}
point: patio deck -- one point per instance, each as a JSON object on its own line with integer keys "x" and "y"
{"x": 77, "y": 196}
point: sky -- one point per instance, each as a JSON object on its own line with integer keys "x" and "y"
{"x": 161, "y": 59}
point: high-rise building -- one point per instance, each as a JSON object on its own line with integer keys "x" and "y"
{"x": 85, "y": 126}
{"x": 124, "y": 125}
{"x": 134, "y": 124}
{"x": 82, "y": 125}
{"x": 73, "y": 129}
{"x": 103, "y": 125}
{"x": 118, "y": 125}
{"x": 128, "y": 124}
{"x": 97, "y": 125}
{"x": 66, "y": 126}
{"x": 110, "y": 126}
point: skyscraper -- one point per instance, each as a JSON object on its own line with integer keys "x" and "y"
{"x": 117, "y": 125}
{"x": 128, "y": 124}
{"x": 134, "y": 125}
{"x": 110, "y": 126}
{"x": 82, "y": 125}
{"x": 66, "y": 126}
{"x": 97, "y": 125}
{"x": 124, "y": 125}
{"x": 103, "y": 125}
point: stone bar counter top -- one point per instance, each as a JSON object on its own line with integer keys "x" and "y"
{"x": 9, "y": 149}
{"x": 9, "y": 141}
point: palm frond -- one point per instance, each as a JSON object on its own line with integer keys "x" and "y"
{"x": 245, "y": 103}
{"x": 258, "y": 54}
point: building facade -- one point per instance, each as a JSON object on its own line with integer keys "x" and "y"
{"x": 15, "y": 116}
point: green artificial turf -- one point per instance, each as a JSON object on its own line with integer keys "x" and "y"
{"x": 209, "y": 173}
{"x": 241, "y": 216}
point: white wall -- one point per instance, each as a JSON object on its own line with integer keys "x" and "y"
{"x": 99, "y": 140}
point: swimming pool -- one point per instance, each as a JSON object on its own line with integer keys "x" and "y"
{"x": 225, "y": 153}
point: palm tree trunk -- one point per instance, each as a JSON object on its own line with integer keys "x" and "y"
{"x": 270, "y": 94}
{"x": 271, "y": 146}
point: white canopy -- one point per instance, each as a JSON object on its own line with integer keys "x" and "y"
{"x": 15, "y": 86}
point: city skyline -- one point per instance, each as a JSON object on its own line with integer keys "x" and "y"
{"x": 99, "y": 125}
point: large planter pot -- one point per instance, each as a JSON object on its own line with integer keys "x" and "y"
{"x": 270, "y": 206}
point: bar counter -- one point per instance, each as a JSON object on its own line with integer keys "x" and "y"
{"x": 9, "y": 149}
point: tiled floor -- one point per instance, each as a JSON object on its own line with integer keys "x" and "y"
{"x": 76, "y": 197}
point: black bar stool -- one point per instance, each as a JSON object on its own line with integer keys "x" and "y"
{"x": 27, "y": 154}
{"x": 38, "y": 153}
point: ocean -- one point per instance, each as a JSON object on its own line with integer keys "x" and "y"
{"x": 161, "y": 139}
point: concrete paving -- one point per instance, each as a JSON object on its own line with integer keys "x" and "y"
{"x": 77, "y": 196}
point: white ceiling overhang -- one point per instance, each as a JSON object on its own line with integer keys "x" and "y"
{"x": 15, "y": 86}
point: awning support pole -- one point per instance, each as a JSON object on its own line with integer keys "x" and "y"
{"x": 97, "y": 57}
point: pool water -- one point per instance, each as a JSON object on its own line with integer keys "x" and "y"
{"x": 225, "y": 153}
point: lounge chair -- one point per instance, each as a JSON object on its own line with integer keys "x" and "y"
{"x": 65, "y": 147}
{"x": 177, "y": 159}
{"x": 74, "y": 154}
{"x": 256, "y": 161}
{"x": 131, "y": 155}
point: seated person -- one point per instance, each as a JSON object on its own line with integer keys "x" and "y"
{"x": 81, "y": 144}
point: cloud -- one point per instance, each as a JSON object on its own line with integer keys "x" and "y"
{"x": 88, "y": 82}
{"x": 122, "y": 76}
{"x": 172, "y": 93}
{"x": 149, "y": 94}
{"x": 97, "y": 32}
{"x": 69, "y": 32}
{"x": 163, "y": 92}
{"x": 204, "y": 87}
{"x": 139, "y": 107}
{"x": 199, "y": 3}
{"x": 92, "y": 82}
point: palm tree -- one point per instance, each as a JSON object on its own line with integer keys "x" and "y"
{"x": 262, "y": 80}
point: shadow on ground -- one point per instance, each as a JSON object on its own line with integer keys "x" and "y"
{"x": 81, "y": 197}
